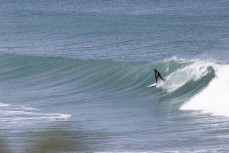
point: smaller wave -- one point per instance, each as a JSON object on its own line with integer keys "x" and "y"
{"x": 11, "y": 115}
{"x": 3, "y": 105}
{"x": 214, "y": 99}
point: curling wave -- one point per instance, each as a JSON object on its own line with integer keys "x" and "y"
{"x": 43, "y": 78}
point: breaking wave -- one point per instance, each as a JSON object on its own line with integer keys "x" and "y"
{"x": 196, "y": 84}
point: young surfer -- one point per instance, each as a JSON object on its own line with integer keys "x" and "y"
{"x": 158, "y": 74}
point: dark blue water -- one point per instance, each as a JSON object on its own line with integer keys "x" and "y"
{"x": 84, "y": 67}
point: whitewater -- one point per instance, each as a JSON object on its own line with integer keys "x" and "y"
{"x": 214, "y": 98}
{"x": 75, "y": 74}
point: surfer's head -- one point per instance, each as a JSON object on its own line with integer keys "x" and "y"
{"x": 155, "y": 70}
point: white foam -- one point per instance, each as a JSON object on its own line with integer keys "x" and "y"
{"x": 194, "y": 71}
{"x": 55, "y": 117}
{"x": 214, "y": 99}
{"x": 3, "y": 104}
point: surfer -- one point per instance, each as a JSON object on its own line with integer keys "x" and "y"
{"x": 158, "y": 74}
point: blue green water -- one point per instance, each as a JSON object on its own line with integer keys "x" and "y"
{"x": 85, "y": 67}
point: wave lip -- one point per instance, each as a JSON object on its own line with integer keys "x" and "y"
{"x": 214, "y": 99}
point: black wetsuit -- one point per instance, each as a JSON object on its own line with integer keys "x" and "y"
{"x": 158, "y": 74}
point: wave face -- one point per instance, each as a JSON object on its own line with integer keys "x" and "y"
{"x": 50, "y": 72}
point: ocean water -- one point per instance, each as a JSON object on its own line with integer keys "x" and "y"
{"x": 80, "y": 70}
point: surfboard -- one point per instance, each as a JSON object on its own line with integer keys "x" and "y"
{"x": 153, "y": 85}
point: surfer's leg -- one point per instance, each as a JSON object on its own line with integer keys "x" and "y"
{"x": 161, "y": 78}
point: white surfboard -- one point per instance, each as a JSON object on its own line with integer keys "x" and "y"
{"x": 153, "y": 85}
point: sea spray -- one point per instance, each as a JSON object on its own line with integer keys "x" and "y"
{"x": 192, "y": 72}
